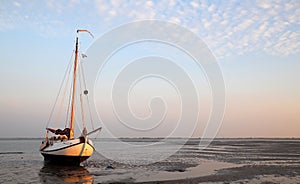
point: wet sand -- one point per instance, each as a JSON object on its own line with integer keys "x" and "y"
{"x": 206, "y": 167}
{"x": 224, "y": 161}
{"x": 256, "y": 161}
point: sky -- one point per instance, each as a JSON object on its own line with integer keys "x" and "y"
{"x": 255, "y": 43}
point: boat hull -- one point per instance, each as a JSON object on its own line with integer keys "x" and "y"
{"x": 63, "y": 160}
{"x": 67, "y": 152}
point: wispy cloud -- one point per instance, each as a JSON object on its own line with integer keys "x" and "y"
{"x": 234, "y": 27}
{"x": 228, "y": 27}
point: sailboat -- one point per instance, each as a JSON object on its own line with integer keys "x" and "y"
{"x": 63, "y": 147}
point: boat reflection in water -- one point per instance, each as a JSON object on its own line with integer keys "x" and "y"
{"x": 65, "y": 174}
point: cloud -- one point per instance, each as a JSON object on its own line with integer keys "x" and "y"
{"x": 211, "y": 8}
{"x": 243, "y": 26}
{"x": 194, "y": 4}
{"x": 175, "y": 20}
{"x": 149, "y": 3}
{"x": 17, "y": 4}
{"x": 265, "y": 26}
{"x": 264, "y": 4}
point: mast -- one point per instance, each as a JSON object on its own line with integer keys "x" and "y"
{"x": 74, "y": 84}
{"x": 74, "y": 90}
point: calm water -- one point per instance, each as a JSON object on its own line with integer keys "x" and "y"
{"x": 21, "y": 162}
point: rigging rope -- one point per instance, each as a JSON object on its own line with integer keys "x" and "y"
{"x": 68, "y": 109}
{"x": 63, "y": 96}
{"x": 81, "y": 102}
{"x": 59, "y": 91}
{"x": 82, "y": 112}
{"x": 87, "y": 96}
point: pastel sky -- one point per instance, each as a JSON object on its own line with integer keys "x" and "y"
{"x": 256, "y": 43}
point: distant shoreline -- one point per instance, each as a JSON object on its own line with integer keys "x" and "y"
{"x": 19, "y": 138}
{"x": 161, "y": 138}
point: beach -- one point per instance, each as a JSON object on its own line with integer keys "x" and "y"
{"x": 224, "y": 161}
{"x": 258, "y": 161}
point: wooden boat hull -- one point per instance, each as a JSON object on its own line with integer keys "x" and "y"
{"x": 63, "y": 160}
{"x": 67, "y": 152}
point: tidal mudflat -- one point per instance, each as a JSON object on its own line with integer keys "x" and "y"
{"x": 223, "y": 161}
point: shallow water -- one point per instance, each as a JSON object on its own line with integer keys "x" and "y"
{"x": 21, "y": 162}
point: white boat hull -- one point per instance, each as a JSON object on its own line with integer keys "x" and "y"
{"x": 70, "y": 152}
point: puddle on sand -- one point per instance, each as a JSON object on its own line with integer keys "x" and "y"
{"x": 206, "y": 167}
